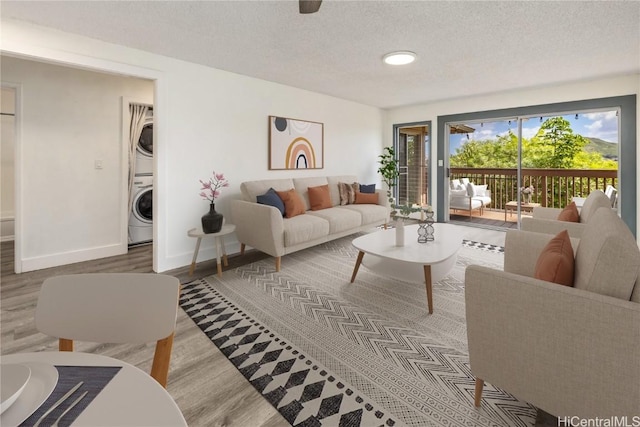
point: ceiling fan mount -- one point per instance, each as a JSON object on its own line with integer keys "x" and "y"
{"x": 309, "y": 6}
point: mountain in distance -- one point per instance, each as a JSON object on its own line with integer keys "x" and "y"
{"x": 609, "y": 150}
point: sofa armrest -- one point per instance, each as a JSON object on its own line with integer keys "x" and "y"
{"x": 564, "y": 350}
{"x": 259, "y": 226}
{"x": 546, "y": 213}
{"x": 552, "y": 226}
{"x": 382, "y": 199}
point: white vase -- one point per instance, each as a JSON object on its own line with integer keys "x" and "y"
{"x": 400, "y": 232}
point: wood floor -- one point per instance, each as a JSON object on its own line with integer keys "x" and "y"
{"x": 205, "y": 385}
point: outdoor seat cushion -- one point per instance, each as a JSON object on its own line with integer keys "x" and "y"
{"x": 462, "y": 203}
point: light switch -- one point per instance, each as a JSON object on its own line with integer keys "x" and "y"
{"x": 98, "y": 164}
{"x": 440, "y": 162}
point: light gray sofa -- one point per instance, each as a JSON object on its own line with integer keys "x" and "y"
{"x": 545, "y": 220}
{"x": 264, "y": 228}
{"x": 571, "y": 351}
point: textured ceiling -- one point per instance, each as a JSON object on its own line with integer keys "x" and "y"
{"x": 464, "y": 47}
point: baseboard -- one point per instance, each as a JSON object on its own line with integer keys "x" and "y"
{"x": 64, "y": 258}
{"x": 7, "y": 229}
{"x": 204, "y": 254}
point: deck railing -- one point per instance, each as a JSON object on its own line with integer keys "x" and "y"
{"x": 553, "y": 187}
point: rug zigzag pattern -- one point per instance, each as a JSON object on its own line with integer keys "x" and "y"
{"x": 303, "y": 392}
{"x": 423, "y": 361}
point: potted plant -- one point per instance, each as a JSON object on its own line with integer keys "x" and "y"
{"x": 389, "y": 171}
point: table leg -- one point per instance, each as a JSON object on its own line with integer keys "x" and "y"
{"x": 355, "y": 269}
{"x": 218, "y": 251}
{"x": 427, "y": 281}
{"x": 195, "y": 256}
{"x": 225, "y": 261}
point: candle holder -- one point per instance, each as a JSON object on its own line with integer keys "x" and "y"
{"x": 425, "y": 229}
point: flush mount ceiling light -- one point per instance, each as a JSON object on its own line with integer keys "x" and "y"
{"x": 399, "y": 58}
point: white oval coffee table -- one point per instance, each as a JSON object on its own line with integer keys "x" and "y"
{"x": 413, "y": 262}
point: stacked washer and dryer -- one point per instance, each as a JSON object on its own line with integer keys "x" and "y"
{"x": 141, "y": 217}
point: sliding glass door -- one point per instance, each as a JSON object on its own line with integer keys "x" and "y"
{"x": 524, "y": 162}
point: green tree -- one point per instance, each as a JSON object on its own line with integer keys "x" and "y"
{"x": 557, "y": 134}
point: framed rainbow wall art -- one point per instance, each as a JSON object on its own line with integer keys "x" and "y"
{"x": 295, "y": 144}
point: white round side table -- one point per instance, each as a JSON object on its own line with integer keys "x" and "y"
{"x": 219, "y": 240}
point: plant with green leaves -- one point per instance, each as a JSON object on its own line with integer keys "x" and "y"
{"x": 389, "y": 170}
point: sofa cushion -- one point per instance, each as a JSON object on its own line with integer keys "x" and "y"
{"x": 570, "y": 213}
{"x": 304, "y": 228}
{"x": 333, "y": 186}
{"x": 607, "y": 258}
{"x": 319, "y": 197}
{"x": 370, "y": 214}
{"x": 555, "y": 262}
{"x": 596, "y": 200}
{"x": 302, "y": 184}
{"x": 271, "y": 198}
{"x": 293, "y": 204}
{"x": 367, "y": 188}
{"x": 339, "y": 219}
{"x": 347, "y": 192}
{"x": 635, "y": 295}
{"x": 362, "y": 198}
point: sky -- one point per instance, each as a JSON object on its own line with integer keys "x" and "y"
{"x": 603, "y": 125}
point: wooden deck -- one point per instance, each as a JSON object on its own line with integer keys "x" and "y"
{"x": 489, "y": 217}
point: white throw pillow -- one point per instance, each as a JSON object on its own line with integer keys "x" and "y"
{"x": 454, "y": 183}
{"x": 480, "y": 190}
{"x": 464, "y": 181}
{"x": 471, "y": 190}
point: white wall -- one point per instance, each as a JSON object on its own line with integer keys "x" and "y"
{"x": 70, "y": 118}
{"x": 206, "y": 120}
{"x": 601, "y": 88}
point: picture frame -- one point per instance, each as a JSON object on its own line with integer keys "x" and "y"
{"x": 295, "y": 144}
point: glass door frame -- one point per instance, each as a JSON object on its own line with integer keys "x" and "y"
{"x": 627, "y": 168}
{"x": 428, "y": 152}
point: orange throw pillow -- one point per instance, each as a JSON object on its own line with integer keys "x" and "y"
{"x": 366, "y": 198}
{"x": 570, "y": 213}
{"x": 556, "y": 263}
{"x": 319, "y": 197}
{"x": 293, "y": 204}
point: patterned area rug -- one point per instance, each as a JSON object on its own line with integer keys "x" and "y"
{"x": 325, "y": 352}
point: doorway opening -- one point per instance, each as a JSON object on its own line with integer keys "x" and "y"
{"x": 413, "y": 151}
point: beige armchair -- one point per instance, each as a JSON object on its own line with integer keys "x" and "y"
{"x": 545, "y": 220}
{"x": 570, "y": 351}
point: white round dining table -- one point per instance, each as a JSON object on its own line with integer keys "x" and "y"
{"x": 131, "y": 398}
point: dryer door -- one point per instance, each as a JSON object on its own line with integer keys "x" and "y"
{"x": 145, "y": 143}
{"x": 142, "y": 207}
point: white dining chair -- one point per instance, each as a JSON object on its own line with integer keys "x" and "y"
{"x": 116, "y": 308}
